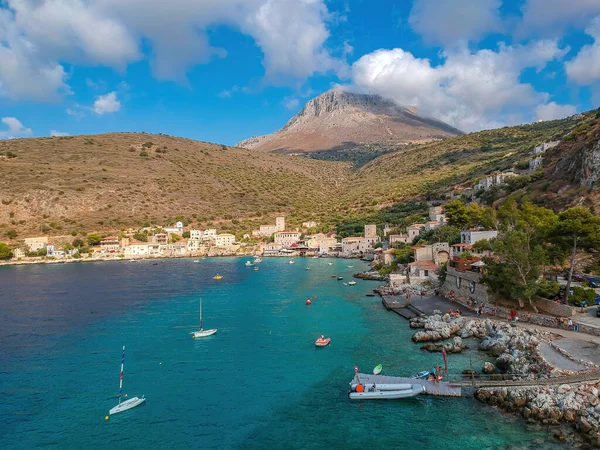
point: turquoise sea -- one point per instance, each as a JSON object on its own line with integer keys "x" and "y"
{"x": 258, "y": 383}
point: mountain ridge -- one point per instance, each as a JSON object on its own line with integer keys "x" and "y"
{"x": 339, "y": 119}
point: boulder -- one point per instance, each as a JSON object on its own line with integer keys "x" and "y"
{"x": 583, "y": 425}
{"x": 504, "y": 361}
{"x": 488, "y": 368}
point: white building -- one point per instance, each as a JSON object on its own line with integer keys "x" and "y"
{"x": 436, "y": 214}
{"x": 432, "y": 225}
{"x": 202, "y": 235}
{"x": 136, "y": 249}
{"x": 178, "y": 228}
{"x": 321, "y": 242}
{"x": 535, "y": 163}
{"x": 398, "y": 238}
{"x": 414, "y": 230}
{"x": 493, "y": 180}
{"x": 470, "y": 237}
{"x": 268, "y": 230}
{"x": 36, "y": 243}
{"x": 541, "y": 149}
{"x": 224, "y": 239}
{"x": 371, "y": 237}
{"x": 352, "y": 246}
{"x": 310, "y": 224}
{"x": 286, "y": 238}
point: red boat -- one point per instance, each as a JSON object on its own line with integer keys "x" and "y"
{"x": 322, "y": 341}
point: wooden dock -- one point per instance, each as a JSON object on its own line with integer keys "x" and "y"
{"x": 441, "y": 388}
{"x": 587, "y": 377}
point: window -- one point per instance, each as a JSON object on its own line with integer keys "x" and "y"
{"x": 458, "y": 282}
{"x": 472, "y": 287}
{"x": 426, "y": 273}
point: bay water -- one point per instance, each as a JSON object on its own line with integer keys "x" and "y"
{"x": 259, "y": 382}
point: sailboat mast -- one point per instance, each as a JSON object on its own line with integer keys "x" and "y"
{"x": 121, "y": 376}
{"x": 200, "y": 314}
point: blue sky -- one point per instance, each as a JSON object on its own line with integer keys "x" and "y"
{"x": 224, "y": 70}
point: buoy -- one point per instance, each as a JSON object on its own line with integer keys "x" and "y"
{"x": 360, "y": 388}
{"x": 106, "y": 418}
{"x": 308, "y": 302}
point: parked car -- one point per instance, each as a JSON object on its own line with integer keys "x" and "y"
{"x": 598, "y": 312}
{"x": 578, "y": 276}
{"x": 597, "y": 300}
{"x": 592, "y": 281}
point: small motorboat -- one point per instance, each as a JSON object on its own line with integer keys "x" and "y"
{"x": 330, "y": 264}
{"x": 333, "y": 276}
{"x": 421, "y": 375}
{"x": 351, "y": 283}
{"x": 322, "y": 341}
{"x": 340, "y": 278}
{"x": 217, "y": 277}
{"x": 257, "y": 259}
{"x": 345, "y": 284}
{"x": 377, "y": 370}
{"x": 350, "y": 267}
{"x": 382, "y": 386}
{"x": 291, "y": 261}
{"x": 132, "y": 260}
{"x": 256, "y": 268}
{"x": 249, "y": 263}
{"x": 370, "y": 294}
{"x": 196, "y": 260}
{"x": 315, "y": 257}
{"x": 374, "y": 393}
{"x": 308, "y": 268}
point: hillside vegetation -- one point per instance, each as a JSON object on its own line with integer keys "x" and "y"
{"x": 73, "y": 185}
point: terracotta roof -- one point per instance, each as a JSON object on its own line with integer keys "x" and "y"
{"x": 425, "y": 265}
{"x": 462, "y": 245}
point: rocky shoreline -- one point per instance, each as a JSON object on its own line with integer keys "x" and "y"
{"x": 371, "y": 276}
{"x": 570, "y": 411}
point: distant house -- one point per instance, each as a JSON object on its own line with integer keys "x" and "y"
{"x": 432, "y": 225}
{"x": 286, "y": 238}
{"x": 310, "y": 224}
{"x": 542, "y": 148}
{"x": 535, "y": 163}
{"x": 136, "y": 248}
{"x": 351, "y": 245}
{"x": 414, "y": 230}
{"x": 398, "y": 238}
{"x": 427, "y": 261}
{"x": 472, "y": 236}
{"x": 52, "y": 251}
{"x": 494, "y": 180}
{"x": 321, "y": 242}
{"x": 110, "y": 244}
{"x": 160, "y": 238}
{"x": 268, "y": 230}
{"x": 203, "y": 235}
{"x": 36, "y": 243}
{"x": 224, "y": 239}
{"x": 178, "y": 229}
{"x": 436, "y": 215}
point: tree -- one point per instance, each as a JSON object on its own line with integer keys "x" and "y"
{"x": 445, "y": 233}
{"x": 576, "y": 228}
{"x": 514, "y": 270}
{"x": 77, "y": 243}
{"x": 142, "y": 237}
{"x": 186, "y": 234}
{"x": 5, "y": 251}
{"x": 94, "y": 239}
{"x": 464, "y": 216}
{"x": 520, "y": 251}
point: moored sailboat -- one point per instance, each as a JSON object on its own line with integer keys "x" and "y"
{"x": 202, "y": 333}
{"x": 127, "y": 404}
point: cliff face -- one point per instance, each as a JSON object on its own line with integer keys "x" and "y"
{"x": 339, "y": 119}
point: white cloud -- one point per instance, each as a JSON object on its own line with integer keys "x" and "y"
{"x": 291, "y": 102}
{"x": 552, "y": 17}
{"x": 106, "y": 104}
{"x": 37, "y": 36}
{"x": 58, "y": 133}
{"x": 448, "y": 22}
{"x": 552, "y": 110}
{"x": 470, "y": 91}
{"x": 15, "y": 128}
{"x": 585, "y": 67}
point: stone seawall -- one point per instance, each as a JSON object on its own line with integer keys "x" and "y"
{"x": 465, "y": 285}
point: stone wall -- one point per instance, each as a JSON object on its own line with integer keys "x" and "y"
{"x": 463, "y": 288}
{"x": 554, "y": 309}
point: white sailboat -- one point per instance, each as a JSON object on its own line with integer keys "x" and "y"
{"x": 127, "y": 404}
{"x": 202, "y": 333}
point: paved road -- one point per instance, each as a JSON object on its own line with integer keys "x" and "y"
{"x": 557, "y": 360}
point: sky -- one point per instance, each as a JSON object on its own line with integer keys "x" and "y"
{"x": 224, "y": 70}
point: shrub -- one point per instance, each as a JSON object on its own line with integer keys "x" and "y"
{"x": 5, "y": 251}
{"x": 143, "y": 154}
{"x": 147, "y": 144}
{"x": 11, "y": 234}
{"x": 548, "y": 289}
{"x": 582, "y": 295}
{"x": 94, "y": 238}
{"x": 131, "y": 149}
